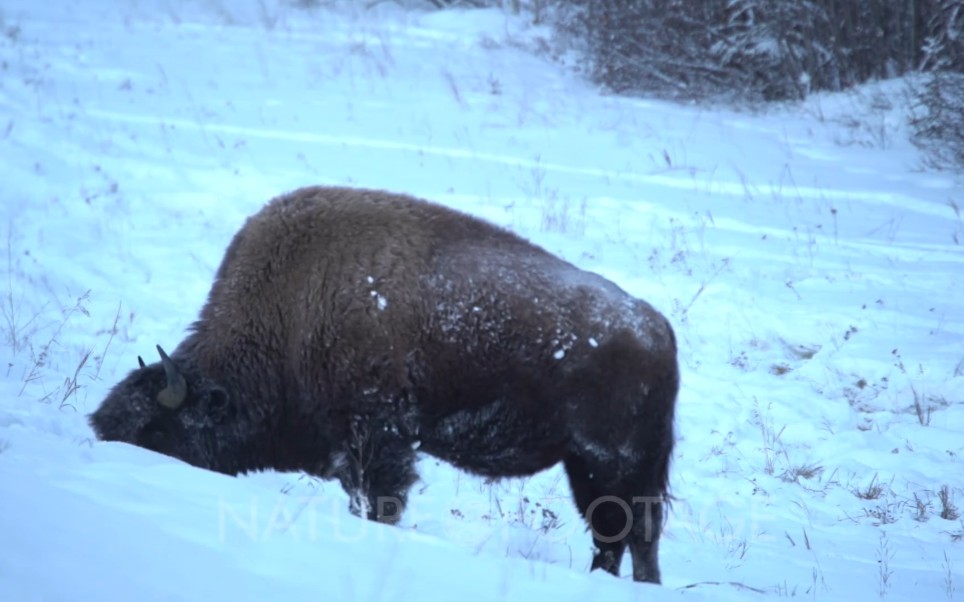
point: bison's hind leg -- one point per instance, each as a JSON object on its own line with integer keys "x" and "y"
{"x": 622, "y": 502}
{"x": 621, "y": 440}
{"x": 603, "y": 513}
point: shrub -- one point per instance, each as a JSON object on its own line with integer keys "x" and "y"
{"x": 769, "y": 49}
{"x": 937, "y": 119}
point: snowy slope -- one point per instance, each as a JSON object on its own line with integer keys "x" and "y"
{"x": 813, "y": 270}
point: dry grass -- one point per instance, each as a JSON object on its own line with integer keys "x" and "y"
{"x": 872, "y": 491}
{"x": 948, "y": 509}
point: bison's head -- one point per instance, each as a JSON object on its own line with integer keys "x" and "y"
{"x": 169, "y": 407}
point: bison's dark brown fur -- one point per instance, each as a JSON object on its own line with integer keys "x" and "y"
{"x": 347, "y": 327}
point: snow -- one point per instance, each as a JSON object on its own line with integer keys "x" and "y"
{"x": 811, "y": 267}
{"x": 380, "y": 300}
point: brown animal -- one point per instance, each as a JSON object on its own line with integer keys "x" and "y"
{"x": 345, "y": 328}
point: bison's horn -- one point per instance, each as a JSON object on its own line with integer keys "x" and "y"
{"x": 140, "y": 362}
{"x": 171, "y": 396}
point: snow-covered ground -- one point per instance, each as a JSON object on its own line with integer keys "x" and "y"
{"x": 813, "y": 270}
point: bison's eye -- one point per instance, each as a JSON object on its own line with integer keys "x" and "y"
{"x": 219, "y": 406}
{"x": 154, "y": 436}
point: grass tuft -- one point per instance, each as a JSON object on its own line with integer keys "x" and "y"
{"x": 872, "y": 491}
{"x": 804, "y": 471}
{"x": 948, "y": 509}
{"x": 923, "y": 414}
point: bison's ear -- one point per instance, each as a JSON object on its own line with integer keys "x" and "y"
{"x": 220, "y": 407}
{"x": 173, "y": 395}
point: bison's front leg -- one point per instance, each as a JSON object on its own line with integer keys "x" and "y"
{"x": 378, "y": 470}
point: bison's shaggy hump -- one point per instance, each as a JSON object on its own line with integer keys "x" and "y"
{"x": 346, "y": 327}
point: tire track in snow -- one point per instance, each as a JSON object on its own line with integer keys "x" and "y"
{"x": 716, "y": 187}
{"x": 390, "y": 145}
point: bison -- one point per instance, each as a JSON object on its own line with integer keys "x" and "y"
{"x": 348, "y": 330}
